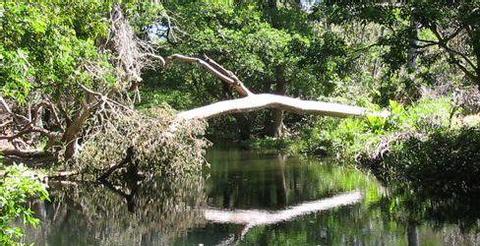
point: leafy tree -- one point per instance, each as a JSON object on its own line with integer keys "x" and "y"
{"x": 59, "y": 60}
{"x": 427, "y": 29}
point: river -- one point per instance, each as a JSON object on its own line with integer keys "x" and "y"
{"x": 244, "y": 198}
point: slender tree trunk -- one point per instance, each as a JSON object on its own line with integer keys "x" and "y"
{"x": 244, "y": 126}
{"x": 477, "y": 63}
{"x": 412, "y": 53}
{"x": 277, "y": 127}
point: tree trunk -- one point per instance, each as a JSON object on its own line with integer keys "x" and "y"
{"x": 261, "y": 101}
{"x": 277, "y": 127}
{"x": 412, "y": 52}
{"x": 412, "y": 235}
{"x": 244, "y": 126}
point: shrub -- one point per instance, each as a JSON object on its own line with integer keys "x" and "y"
{"x": 152, "y": 142}
{"x": 347, "y": 137}
{"x": 17, "y": 186}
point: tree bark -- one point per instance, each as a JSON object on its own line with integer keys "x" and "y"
{"x": 412, "y": 52}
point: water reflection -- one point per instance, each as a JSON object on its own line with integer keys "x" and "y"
{"x": 251, "y": 180}
{"x": 137, "y": 212}
{"x": 263, "y": 188}
{"x": 414, "y": 205}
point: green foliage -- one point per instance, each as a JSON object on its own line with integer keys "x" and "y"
{"x": 443, "y": 29}
{"x": 179, "y": 100}
{"x": 348, "y": 137}
{"x": 259, "y": 45}
{"x": 433, "y": 178}
{"x": 17, "y": 186}
{"x": 50, "y": 46}
{"x": 269, "y": 144}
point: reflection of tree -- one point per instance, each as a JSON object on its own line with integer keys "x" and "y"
{"x": 255, "y": 217}
{"x": 431, "y": 179}
{"x": 353, "y": 225}
{"x": 276, "y": 181}
{"x": 252, "y": 218}
{"x": 137, "y": 213}
{"x": 413, "y": 205}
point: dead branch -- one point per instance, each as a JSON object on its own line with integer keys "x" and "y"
{"x": 24, "y": 153}
{"x": 214, "y": 68}
{"x": 261, "y": 101}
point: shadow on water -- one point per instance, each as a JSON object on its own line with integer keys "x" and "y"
{"x": 249, "y": 198}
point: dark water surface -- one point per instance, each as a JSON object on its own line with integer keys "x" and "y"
{"x": 245, "y": 198}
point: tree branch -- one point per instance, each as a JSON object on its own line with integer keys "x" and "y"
{"x": 214, "y": 68}
{"x": 252, "y": 101}
{"x": 261, "y": 101}
{"x": 23, "y": 153}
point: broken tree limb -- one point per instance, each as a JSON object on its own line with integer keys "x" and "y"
{"x": 215, "y": 69}
{"x": 23, "y": 153}
{"x": 261, "y": 101}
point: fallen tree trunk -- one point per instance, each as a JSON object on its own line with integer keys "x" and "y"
{"x": 261, "y": 101}
{"x": 250, "y": 101}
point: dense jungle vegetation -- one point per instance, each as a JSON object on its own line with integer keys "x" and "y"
{"x": 103, "y": 90}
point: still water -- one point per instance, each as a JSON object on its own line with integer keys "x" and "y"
{"x": 245, "y": 198}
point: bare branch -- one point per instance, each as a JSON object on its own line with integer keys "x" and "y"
{"x": 443, "y": 42}
{"x": 261, "y": 101}
{"x": 24, "y": 153}
{"x": 27, "y": 130}
{"x": 5, "y": 105}
{"x": 216, "y": 70}
{"x": 465, "y": 70}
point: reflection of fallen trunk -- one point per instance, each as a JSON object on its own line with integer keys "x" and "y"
{"x": 259, "y": 217}
{"x": 251, "y": 218}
